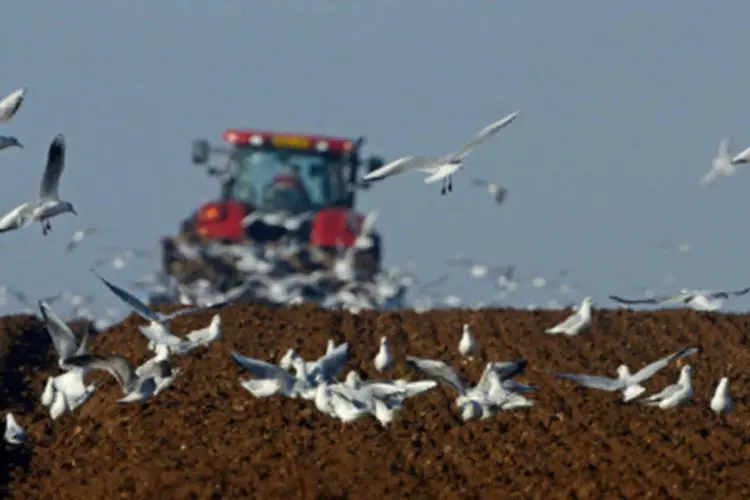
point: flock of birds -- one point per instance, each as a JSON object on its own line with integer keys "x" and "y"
{"x": 270, "y": 279}
{"x": 317, "y": 381}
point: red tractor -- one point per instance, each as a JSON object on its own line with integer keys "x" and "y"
{"x": 273, "y": 186}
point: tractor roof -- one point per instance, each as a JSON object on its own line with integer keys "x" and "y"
{"x": 322, "y": 143}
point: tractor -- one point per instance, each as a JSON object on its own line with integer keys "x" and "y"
{"x": 275, "y": 188}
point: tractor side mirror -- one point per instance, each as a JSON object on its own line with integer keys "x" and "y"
{"x": 374, "y": 163}
{"x": 200, "y": 151}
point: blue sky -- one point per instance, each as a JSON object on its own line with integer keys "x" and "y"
{"x": 623, "y": 105}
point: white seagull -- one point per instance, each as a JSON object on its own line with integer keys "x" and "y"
{"x": 49, "y": 204}
{"x": 157, "y": 331}
{"x": 627, "y": 383}
{"x": 724, "y": 165}
{"x": 673, "y": 395}
{"x": 576, "y": 323}
{"x": 440, "y": 167}
{"x": 701, "y": 300}
{"x": 383, "y": 360}
{"x": 467, "y": 345}
{"x": 77, "y": 237}
{"x": 722, "y": 402}
{"x": 135, "y": 387}
{"x": 14, "y": 433}
{"x": 11, "y": 103}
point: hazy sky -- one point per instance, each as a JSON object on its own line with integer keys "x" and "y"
{"x": 623, "y": 105}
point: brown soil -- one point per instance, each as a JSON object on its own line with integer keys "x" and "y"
{"x": 209, "y": 438}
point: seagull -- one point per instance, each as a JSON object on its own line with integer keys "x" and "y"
{"x": 383, "y": 360}
{"x": 724, "y": 165}
{"x": 201, "y": 337}
{"x": 576, "y": 323}
{"x": 467, "y": 345}
{"x": 697, "y": 299}
{"x": 49, "y": 204}
{"x": 135, "y": 387}
{"x": 625, "y": 382}
{"x": 78, "y": 237}
{"x": 14, "y": 433}
{"x": 722, "y": 402}
{"x": 10, "y": 104}
{"x": 498, "y": 192}
{"x": 675, "y": 394}
{"x": 7, "y": 141}
{"x": 158, "y": 329}
{"x": 440, "y": 167}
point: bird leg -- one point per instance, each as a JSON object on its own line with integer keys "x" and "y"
{"x": 442, "y": 191}
{"x": 450, "y": 183}
{"x": 46, "y": 227}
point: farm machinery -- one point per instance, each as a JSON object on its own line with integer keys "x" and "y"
{"x": 293, "y": 193}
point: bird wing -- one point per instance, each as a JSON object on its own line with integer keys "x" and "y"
{"x": 483, "y": 135}
{"x": 622, "y": 300}
{"x": 742, "y": 157}
{"x": 569, "y": 322}
{"x": 508, "y": 369}
{"x": 62, "y": 336}
{"x": 54, "y": 169}
{"x": 725, "y": 295}
{"x": 436, "y": 369}
{"x": 649, "y": 370}
{"x": 668, "y": 391}
{"x": 592, "y": 381}
{"x": 11, "y": 103}
{"x": 331, "y": 363}
{"x": 116, "y": 365}
{"x": 19, "y": 217}
{"x": 399, "y": 165}
{"x": 135, "y": 304}
{"x": 259, "y": 368}
{"x": 191, "y": 310}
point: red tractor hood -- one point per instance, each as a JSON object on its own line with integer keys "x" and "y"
{"x": 335, "y": 226}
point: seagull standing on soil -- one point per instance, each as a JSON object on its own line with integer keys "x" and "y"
{"x": 673, "y": 395}
{"x": 383, "y": 360}
{"x": 722, "y": 402}
{"x": 14, "y": 433}
{"x": 724, "y": 165}
{"x": 49, "y": 204}
{"x": 576, "y": 323}
{"x": 440, "y": 167}
{"x": 628, "y": 384}
{"x": 11, "y": 103}
{"x": 467, "y": 345}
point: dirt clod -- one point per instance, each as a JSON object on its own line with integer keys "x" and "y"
{"x": 208, "y": 438}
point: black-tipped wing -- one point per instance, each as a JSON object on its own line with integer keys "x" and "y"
{"x": 622, "y": 300}
{"x": 54, "y": 169}
{"x": 726, "y": 295}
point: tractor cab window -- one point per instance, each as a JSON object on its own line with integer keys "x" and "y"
{"x": 286, "y": 181}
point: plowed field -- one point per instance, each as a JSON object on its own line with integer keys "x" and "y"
{"x": 209, "y": 438}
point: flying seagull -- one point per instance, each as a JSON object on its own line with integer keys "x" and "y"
{"x": 135, "y": 387}
{"x": 10, "y": 104}
{"x": 49, "y": 204}
{"x": 697, "y": 299}
{"x": 77, "y": 237}
{"x": 724, "y": 165}
{"x": 627, "y": 383}
{"x": 498, "y": 192}
{"x": 158, "y": 329}
{"x": 440, "y": 167}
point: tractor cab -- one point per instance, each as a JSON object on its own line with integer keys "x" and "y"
{"x": 278, "y": 173}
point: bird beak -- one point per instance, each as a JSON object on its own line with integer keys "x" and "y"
{"x": 73, "y": 210}
{"x": 19, "y": 145}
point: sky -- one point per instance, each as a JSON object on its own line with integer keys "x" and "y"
{"x": 622, "y": 108}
